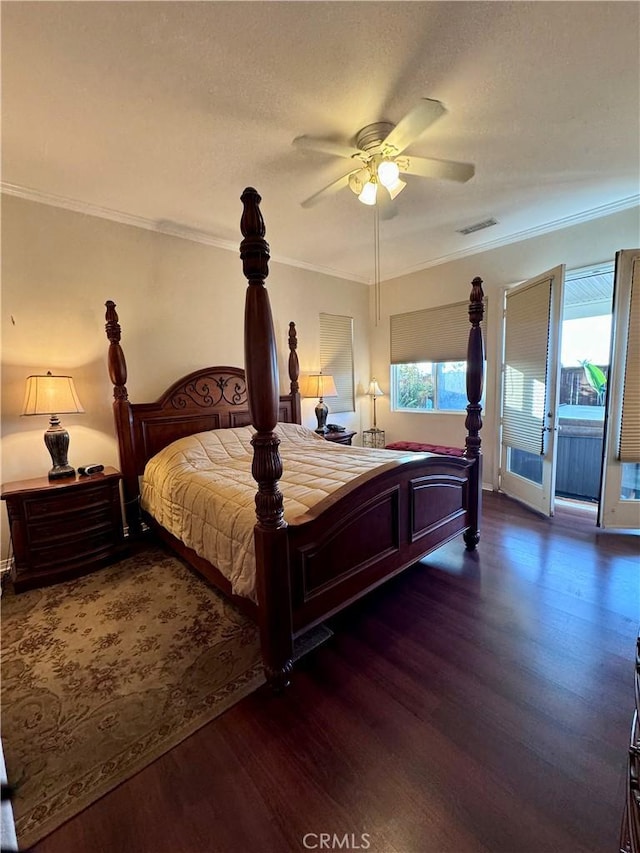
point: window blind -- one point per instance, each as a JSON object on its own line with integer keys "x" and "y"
{"x": 525, "y": 367}
{"x": 431, "y": 334}
{"x": 336, "y": 359}
{"x": 629, "y": 447}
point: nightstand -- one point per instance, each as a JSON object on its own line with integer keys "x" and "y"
{"x": 63, "y": 528}
{"x": 340, "y": 437}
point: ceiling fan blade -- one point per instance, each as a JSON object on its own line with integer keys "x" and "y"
{"x": 425, "y": 167}
{"x": 330, "y": 189}
{"x": 412, "y": 126}
{"x": 327, "y": 146}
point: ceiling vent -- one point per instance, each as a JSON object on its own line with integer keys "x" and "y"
{"x": 471, "y": 229}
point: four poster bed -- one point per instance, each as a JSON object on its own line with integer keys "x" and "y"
{"x": 354, "y": 516}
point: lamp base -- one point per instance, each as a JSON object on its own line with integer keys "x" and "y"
{"x": 58, "y": 472}
{"x": 321, "y": 414}
{"x": 56, "y": 439}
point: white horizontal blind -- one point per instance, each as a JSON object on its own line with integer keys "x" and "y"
{"x": 336, "y": 359}
{"x": 431, "y": 334}
{"x": 629, "y": 449}
{"x": 525, "y": 366}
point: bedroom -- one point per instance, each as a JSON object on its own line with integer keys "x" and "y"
{"x": 155, "y": 267}
{"x": 68, "y": 245}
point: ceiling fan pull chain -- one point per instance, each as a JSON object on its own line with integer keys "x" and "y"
{"x": 376, "y": 262}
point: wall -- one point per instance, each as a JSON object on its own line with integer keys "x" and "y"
{"x": 580, "y": 245}
{"x": 181, "y": 306}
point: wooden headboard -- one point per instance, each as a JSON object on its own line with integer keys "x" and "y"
{"x": 209, "y": 398}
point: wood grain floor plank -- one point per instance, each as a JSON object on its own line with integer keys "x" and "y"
{"x": 478, "y": 703}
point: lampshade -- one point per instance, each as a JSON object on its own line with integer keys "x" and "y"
{"x": 374, "y": 389}
{"x": 53, "y": 396}
{"x": 49, "y": 395}
{"x": 396, "y": 188}
{"x": 369, "y": 193}
{"x": 388, "y": 173}
{"x": 318, "y": 385}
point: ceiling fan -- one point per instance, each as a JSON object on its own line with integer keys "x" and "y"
{"x": 378, "y": 157}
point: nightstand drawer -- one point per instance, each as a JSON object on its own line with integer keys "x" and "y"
{"x": 70, "y": 552}
{"x": 55, "y": 530}
{"x": 84, "y": 501}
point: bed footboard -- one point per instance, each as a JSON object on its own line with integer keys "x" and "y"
{"x": 364, "y": 534}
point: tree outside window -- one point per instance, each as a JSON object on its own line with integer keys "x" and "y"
{"x": 429, "y": 386}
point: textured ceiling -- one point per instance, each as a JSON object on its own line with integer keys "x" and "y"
{"x": 164, "y": 112}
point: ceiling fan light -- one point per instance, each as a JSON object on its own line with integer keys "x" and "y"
{"x": 397, "y": 188}
{"x": 388, "y": 173}
{"x": 369, "y": 193}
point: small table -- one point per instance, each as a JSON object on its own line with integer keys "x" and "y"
{"x": 373, "y": 438}
{"x": 62, "y": 528}
{"x": 339, "y": 437}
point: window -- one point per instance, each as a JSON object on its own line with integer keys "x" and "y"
{"x": 428, "y": 359}
{"x": 428, "y": 386}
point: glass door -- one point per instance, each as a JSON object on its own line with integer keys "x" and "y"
{"x": 620, "y": 496}
{"x": 584, "y": 370}
{"x": 529, "y": 421}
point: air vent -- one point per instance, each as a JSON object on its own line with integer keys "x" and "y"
{"x": 471, "y": 229}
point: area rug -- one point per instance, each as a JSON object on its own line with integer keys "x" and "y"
{"x": 103, "y": 674}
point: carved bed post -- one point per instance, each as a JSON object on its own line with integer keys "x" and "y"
{"x": 473, "y": 422}
{"x": 261, "y": 369}
{"x": 122, "y": 416}
{"x": 294, "y": 373}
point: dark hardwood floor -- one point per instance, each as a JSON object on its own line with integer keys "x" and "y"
{"x": 478, "y": 702}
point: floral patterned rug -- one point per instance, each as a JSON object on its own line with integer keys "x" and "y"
{"x": 103, "y": 674}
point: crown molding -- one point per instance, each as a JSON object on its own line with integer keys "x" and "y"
{"x": 528, "y": 233}
{"x": 184, "y": 232}
{"x": 172, "y": 229}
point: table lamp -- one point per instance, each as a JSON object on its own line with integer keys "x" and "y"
{"x": 319, "y": 385}
{"x": 374, "y": 391}
{"x": 46, "y": 395}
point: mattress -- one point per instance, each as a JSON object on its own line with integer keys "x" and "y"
{"x": 200, "y": 489}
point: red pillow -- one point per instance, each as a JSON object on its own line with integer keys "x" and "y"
{"x": 420, "y": 447}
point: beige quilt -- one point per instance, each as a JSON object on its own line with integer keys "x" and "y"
{"x": 200, "y": 488}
